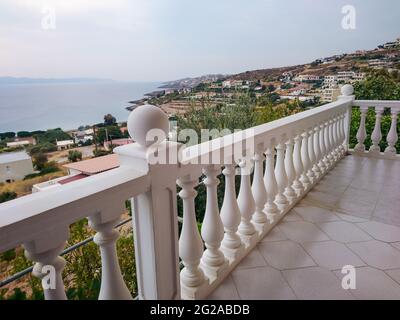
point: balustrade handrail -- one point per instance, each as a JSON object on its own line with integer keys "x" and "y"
{"x": 289, "y": 125}
{"x": 395, "y": 104}
{"x": 23, "y": 218}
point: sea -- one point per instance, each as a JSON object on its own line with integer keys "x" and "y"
{"x": 41, "y": 106}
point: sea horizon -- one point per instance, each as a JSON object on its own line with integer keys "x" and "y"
{"x": 66, "y": 105}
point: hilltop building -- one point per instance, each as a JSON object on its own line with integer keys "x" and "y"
{"x": 15, "y": 166}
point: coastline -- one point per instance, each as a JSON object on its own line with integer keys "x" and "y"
{"x": 30, "y": 107}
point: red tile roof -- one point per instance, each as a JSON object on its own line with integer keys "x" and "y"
{"x": 95, "y": 165}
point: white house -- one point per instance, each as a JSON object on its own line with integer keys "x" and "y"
{"x": 15, "y": 166}
{"x": 64, "y": 144}
{"x": 18, "y": 143}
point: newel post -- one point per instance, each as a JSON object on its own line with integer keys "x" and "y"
{"x": 347, "y": 94}
{"x": 155, "y": 211}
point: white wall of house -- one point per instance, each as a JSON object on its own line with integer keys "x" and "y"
{"x": 14, "y": 170}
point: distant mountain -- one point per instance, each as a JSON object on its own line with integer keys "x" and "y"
{"x": 15, "y": 80}
{"x": 192, "y": 82}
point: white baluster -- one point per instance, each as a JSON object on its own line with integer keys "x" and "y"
{"x": 270, "y": 184}
{"x": 246, "y": 202}
{"x": 341, "y": 136}
{"x": 338, "y": 140}
{"x": 334, "y": 136}
{"x": 290, "y": 171}
{"x": 311, "y": 155}
{"x": 281, "y": 177}
{"x": 317, "y": 153}
{"x": 327, "y": 157}
{"x": 331, "y": 156}
{"x": 392, "y": 136}
{"x": 212, "y": 229}
{"x": 298, "y": 166}
{"x": 230, "y": 215}
{"x": 321, "y": 138}
{"x": 190, "y": 243}
{"x": 376, "y": 135}
{"x": 305, "y": 160}
{"x": 113, "y": 286}
{"x": 258, "y": 189}
{"x": 49, "y": 265}
{"x": 362, "y": 132}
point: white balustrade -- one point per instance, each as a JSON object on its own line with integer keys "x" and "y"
{"x": 376, "y": 135}
{"x": 258, "y": 189}
{"x": 290, "y": 170}
{"x": 230, "y": 215}
{"x": 305, "y": 177}
{"x": 362, "y": 131}
{"x": 317, "y": 152}
{"x": 271, "y": 185}
{"x": 280, "y": 174}
{"x": 298, "y": 165}
{"x": 321, "y": 137}
{"x": 49, "y": 265}
{"x": 246, "y": 202}
{"x": 212, "y": 230}
{"x": 113, "y": 286}
{"x": 392, "y": 136}
{"x": 190, "y": 242}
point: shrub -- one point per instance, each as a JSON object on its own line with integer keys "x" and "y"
{"x": 7, "y": 196}
{"x": 74, "y": 155}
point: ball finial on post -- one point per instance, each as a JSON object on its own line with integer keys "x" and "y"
{"x": 347, "y": 90}
{"x": 145, "y": 118}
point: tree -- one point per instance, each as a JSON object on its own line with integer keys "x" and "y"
{"x": 52, "y": 135}
{"x": 40, "y": 160}
{"x": 8, "y": 135}
{"x": 109, "y": 120}
{"x": 23, "y": 134}
{"x": 74, "y": 155}
{"x": 109, "y": 132}
{"x": 379, "y": 85}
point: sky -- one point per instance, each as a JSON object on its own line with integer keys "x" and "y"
{"x": 160, "y": 40}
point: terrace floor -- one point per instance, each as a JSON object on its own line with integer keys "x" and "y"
{"x": 351, "y": 217}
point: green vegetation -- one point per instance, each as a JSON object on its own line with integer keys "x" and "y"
{"x": 109, "y": 120}
{"x": 7, "y": 196}
{"x": 74, "y": 155}
{"x": 379, "y": 85}
{"x": 108, "y": 133}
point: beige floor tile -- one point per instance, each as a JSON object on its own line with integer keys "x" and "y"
{"x": 350, "y": 218}
{"x": 343, "y": 231}
{"x": 377, "y": 254}
{"x": 252, "y": 260}
{"x": 316, "y": 214}
{"x": 285, "y": 255}
{"x": 316, "y": 283}
{"x": 302, "y": 231}
{"x": 373, "y": 284}
{"x": 263, "y": 283}
{"x": 381, "y": 231}
{"x": 332, "y": 255}
{"x": 225, "y": 291}
{"x": 275, "y": 235}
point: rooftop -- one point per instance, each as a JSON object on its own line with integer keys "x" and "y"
{"x": 95, "y": 165}
{"x": 8, "y": 157}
